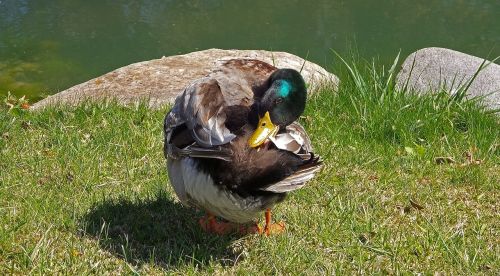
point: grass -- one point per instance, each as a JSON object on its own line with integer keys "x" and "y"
{"x": 410, "y": 185}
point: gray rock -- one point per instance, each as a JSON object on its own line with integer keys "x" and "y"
{"x": 161, "y": 80}
{"x": 435, "y": 68}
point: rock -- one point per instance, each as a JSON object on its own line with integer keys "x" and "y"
{"x": 439, "y": 67}
{"x": 161, "y": 80}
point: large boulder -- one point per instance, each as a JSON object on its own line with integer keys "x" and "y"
{"x": 431, "y": 69}
{"x": 161, "y": 80}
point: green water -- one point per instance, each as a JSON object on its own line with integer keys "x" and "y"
{"x": 48, "y": 46}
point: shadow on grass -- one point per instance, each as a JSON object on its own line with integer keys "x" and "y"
{"x": 157, "y": 232}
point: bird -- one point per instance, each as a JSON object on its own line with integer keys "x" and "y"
{"x": 233, "y": 146}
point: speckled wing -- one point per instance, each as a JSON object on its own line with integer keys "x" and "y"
{"x": 201, "y": 107}
{"x": 203, "y": 104}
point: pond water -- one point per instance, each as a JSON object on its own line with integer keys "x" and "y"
{"x": 49, "y": 45}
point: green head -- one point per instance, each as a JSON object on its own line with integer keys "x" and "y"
{"x": 285, "y": 98}
{"x": 282, "y": 104}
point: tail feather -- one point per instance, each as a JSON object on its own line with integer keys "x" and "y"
{"x": 299, "y": 178}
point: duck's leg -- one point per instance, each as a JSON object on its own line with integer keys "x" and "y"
{"x": 273, "y": 228}
{"x": 210, "y": 224}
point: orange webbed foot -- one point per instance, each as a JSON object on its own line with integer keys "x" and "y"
{"x": 211, "y": 225}
{"x": 270, "y": 229}
{"x": 273, "y": 228}
{"x": 252, "y": 229}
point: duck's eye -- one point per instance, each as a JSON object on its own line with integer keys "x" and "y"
{"x": 263, "y": 124}
{"x": 278, "y": 100}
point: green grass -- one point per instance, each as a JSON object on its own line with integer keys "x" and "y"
{"x": 85, "y": 191}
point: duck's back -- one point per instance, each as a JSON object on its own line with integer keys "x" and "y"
{"x": 215, "y": 107}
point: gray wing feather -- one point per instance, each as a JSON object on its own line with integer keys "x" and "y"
{"x": 294, "y": 181}
{"x": 204, "y": 113}
{"x": 201, "y": 106}
{"x": 216, "y": 152}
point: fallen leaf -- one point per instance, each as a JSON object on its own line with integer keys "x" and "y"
{"x": 48, "y": 152}
{"x": 468, "y": 155}
{"x": 416, "y": 205}
{"x": 362, "y": 238}
{"x": 424, "y": 180}
{"x": 42, "y": 181}
{"x": 444, "y": 160}
{"x": 366, "y": 237}
{"x": 410, "y": 150}
{"x": 69, "y": 177}
{"x": 26, "y": 124}
{"x": 485, "y": 267}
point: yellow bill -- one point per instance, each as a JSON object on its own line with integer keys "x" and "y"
{"x": 265, "y": 129}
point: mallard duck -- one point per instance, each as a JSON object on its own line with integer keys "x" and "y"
{"x": 232, "y": 145}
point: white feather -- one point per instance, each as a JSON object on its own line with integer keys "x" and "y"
{"x": 200, "y": 190}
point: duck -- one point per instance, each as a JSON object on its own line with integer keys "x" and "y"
{"x": 233, "y": 145}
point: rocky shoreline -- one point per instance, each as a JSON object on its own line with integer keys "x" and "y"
{"x": 161, "y": 80}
